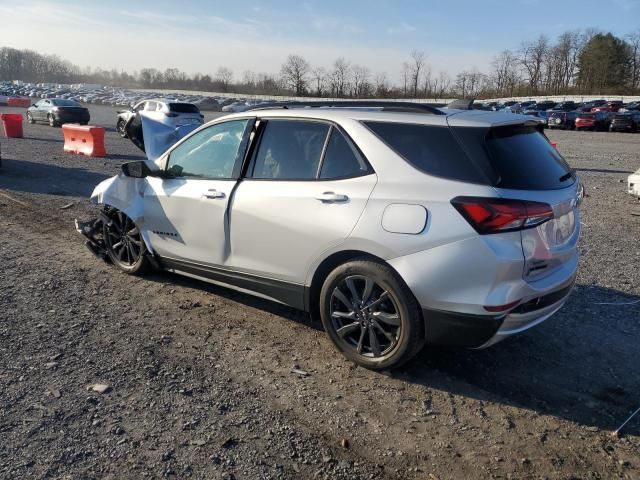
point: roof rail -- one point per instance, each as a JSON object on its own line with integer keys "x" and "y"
{"x": 407, "y": 107}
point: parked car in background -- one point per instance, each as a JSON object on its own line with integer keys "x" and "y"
{"x": 545, "y": 105}
{"x": 630, "y": 107}
{"x": 567, "y": 106}
{"x": 612, "y": 106}
{"x": 171, "y": 112}
{"x": 57, "y": 111}
{"x": 541, "y": 114}
{"x": 625, "y": 122}
{"x": 597, "y": 121}
{"x": 236, "y": 107}
{"x": 587, "y": 106}
{"x": 562, "y": 119}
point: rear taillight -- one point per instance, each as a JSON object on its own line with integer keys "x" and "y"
{"x": 171, "y": 114}
{"x": 495, "y": 215}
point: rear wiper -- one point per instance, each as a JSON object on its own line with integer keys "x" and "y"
{"x": 566, "y": 176}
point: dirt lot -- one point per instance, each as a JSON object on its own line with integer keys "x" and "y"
{"x": 201, "y": 381}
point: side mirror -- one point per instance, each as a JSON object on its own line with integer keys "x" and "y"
{"x": 138, "y": 169}
{"x": 34, "y": 105}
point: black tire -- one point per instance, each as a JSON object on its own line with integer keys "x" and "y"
{"x": 124, "y": 244}
{"x": 120, "y": 127}
{"x": 52, "y": 121}
{"x": 360, "y": 333}
{"x": 30, "y": 118}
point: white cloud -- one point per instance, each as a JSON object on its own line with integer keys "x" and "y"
{"x": 401, "y": 29}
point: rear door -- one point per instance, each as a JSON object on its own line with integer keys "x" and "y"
{"x": 186, "y": 214}
{"x": 304, "y": 190}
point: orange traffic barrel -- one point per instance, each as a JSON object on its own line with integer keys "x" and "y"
{"x": 12, "y": 124}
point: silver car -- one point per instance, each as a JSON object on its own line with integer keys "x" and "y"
{"x": 393, "y": 225}
{"x": 170, "y": 112}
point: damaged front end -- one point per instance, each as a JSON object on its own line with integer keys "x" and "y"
{"x": 93, "y": 232}
{"x": 116, "y": 194}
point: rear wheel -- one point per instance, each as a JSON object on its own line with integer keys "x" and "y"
{"x": 124, "y": 244}
{"x": 52, "y": 120}
{"x": 371, "y": 315}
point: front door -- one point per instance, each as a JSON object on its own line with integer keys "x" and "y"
{"x": 185, "y": 215}
{"x": 305, "y": 188}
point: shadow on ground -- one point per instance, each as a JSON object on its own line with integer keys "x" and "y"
{"x": 32, "y": 177}
{"x": 580, "y": 365}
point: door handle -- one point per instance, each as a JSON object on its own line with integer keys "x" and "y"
{"x": 213, "y": 193}
{"x": 331, "y": 197}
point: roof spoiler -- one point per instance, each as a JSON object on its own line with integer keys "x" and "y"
{"x": 461, "y": 104}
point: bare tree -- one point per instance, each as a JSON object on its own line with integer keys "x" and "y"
{"x": 381, "y": 84}
{"x": 224, "y": 76}
{"x": 339, "y": 77}
{"x": 634, "y": 42}
{"x": 505, "y": 72}
{"x": 319, "y": 77}
{"x": 440, "y": 85}
{"x": 360, "y": 77}
{"x": 294, "y": 73}
{"x": 532, "y": 57}
{"x": 418, "y": 60}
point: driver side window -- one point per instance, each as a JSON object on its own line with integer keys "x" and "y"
{"x": 211, "y": 153}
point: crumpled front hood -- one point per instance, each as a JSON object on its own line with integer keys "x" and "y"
{"x": 159, "y": 136}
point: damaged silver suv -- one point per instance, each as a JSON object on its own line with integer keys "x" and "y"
{"x": 394, "y": 224}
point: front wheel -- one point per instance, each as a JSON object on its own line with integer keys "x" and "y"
{"x": 124, "y": 244}
{"x": 52, "y": 121}
{"x": 30, "y": 118}
{"x": 371, "y": 315}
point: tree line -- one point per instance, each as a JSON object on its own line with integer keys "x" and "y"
{"x": 576, "y": 62}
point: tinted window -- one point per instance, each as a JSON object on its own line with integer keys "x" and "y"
{"x": 434, "y": 150}
{"x": 183, "y": 108}
{"x": 65, "y": 103}
{"x": 524, "y": 159}
{"x": 341, "y": 159}
{"x": 290, "y": 150}
{"x": 210, "y": 153}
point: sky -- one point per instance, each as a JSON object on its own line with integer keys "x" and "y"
{"x": 200, "y": 36}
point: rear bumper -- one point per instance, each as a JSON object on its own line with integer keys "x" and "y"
{"x": 72, "y": 118}
{"x": 481, "y": 331}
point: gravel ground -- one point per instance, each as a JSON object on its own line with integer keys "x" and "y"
{"x": 200, "y": 379}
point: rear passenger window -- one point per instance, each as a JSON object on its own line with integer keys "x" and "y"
{"x": 432, "y": 149}
{"x": 290, "y": 150}
{"x": 341, "y": 159}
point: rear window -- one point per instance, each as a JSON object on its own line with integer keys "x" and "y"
{"x": 525, "y": 160}
{"x": 65, "y": 103}
{"x": 433, "y": 150}
{"x": 183, "y": 108}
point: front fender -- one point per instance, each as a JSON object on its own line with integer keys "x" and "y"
{"x": 127, "y": 195}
